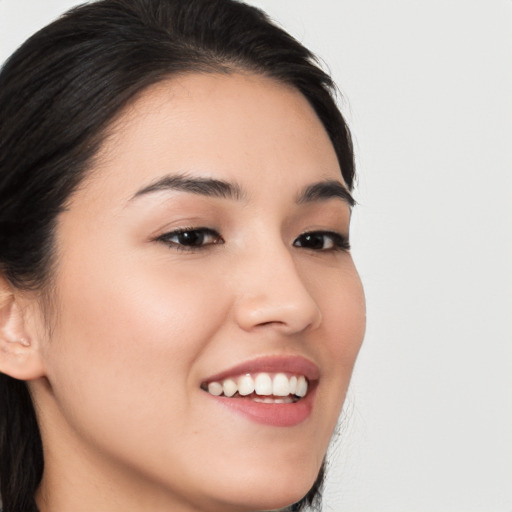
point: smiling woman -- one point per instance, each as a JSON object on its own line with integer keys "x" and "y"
{"x": 180, "y": 312}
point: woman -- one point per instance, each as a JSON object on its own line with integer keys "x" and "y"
{"x": 180, "y": 313}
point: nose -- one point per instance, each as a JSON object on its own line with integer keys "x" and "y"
{"x": 272, "y": 293}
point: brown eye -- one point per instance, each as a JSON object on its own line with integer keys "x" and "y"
{"x": 191, "y": 238}
{"x": 322, "y": 241}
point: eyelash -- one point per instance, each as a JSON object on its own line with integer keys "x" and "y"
{"x": 338, "y": 242}
{"x": 202, "y": 233}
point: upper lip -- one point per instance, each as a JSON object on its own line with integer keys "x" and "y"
{"x": 297, "y": 365}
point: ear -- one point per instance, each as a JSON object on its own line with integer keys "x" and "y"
{"x": 20, "y": 356}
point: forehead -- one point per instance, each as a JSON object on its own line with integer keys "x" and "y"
{"x": 237, "y": 127}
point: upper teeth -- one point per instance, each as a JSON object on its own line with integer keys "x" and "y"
{"x": 278, "y": 384}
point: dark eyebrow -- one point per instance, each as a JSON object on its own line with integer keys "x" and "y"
{"x": 324, "y": 190}
{"x": 195, "y": 185}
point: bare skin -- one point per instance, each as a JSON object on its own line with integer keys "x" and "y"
{"x": 142, "y": 320}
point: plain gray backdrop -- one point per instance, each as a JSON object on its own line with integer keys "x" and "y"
{"x": 427, "y": 89}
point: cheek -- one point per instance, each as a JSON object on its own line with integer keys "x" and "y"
{"x": 349, "y": 319}
{"x": 342, "y": 303}
{"x": 340, "y": 297}
{"x": 127, "y": 339}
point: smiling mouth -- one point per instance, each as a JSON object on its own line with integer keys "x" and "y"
{"x": 263, "y": 387}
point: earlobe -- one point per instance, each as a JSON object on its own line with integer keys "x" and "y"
{"x": 20, "y": 356}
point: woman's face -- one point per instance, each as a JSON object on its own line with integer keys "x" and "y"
{"x": 207, "y": 247}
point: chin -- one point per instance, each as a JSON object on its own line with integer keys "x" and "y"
{"x": 275, "y": 499}
{"x": 271, "y": 492}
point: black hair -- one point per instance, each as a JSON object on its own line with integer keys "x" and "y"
{"x": 61, "y": 90}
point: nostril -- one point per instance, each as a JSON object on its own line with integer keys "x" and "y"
{"x": 275, "y": 295}
{"x": 264, "y": 324}
{"x": 287, "y": 315}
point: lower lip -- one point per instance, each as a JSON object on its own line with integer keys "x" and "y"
{"x": 277, "y": 415}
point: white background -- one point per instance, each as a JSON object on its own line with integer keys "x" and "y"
{"x": 427, "y": 89}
